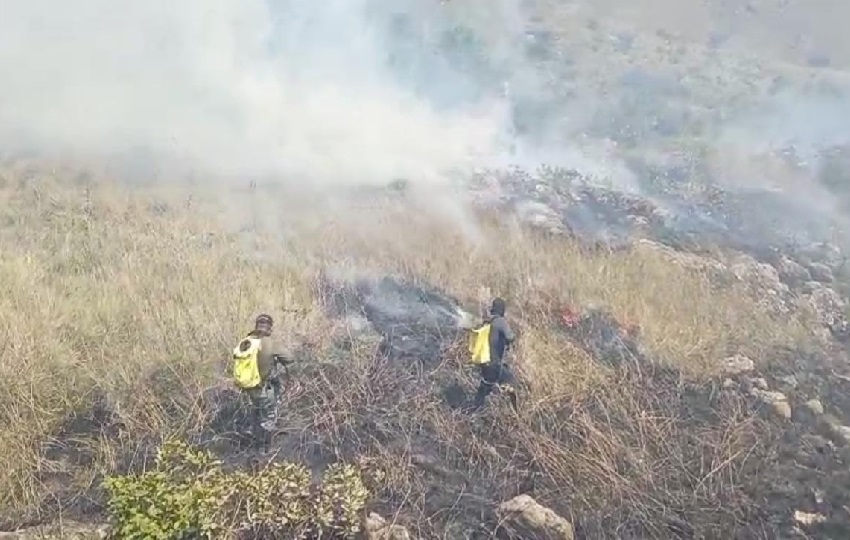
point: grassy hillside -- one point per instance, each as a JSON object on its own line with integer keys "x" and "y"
{"x": 119, "y": 306}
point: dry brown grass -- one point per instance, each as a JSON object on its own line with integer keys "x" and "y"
{"x": 112, "y": 298}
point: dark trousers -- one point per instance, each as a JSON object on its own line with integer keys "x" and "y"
{"x": 494, "y": 374}
{"x": 264, "y": 399}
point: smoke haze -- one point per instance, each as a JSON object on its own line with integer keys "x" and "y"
{"x": 353, "y": 92}
{"x": 237, "y": 88}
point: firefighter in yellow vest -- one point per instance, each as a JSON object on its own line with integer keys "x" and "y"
{"x": 256, "y": 371}
{"x": 488, "y": 346}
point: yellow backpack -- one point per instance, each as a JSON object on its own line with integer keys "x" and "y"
{"x": 246, "y": 367}
{"x": 479, "y": 345}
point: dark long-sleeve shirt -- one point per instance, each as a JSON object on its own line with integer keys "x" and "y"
{"x": 501, "y": 337}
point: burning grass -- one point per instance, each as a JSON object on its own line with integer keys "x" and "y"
{"x": 118, "y": 310}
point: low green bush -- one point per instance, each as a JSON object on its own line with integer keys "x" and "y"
{"x": 189, "y": 496}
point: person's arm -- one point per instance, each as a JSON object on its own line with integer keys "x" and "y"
{"x": 275, "y": 352}
{"x": 500, "y": 324}
{"x": 281, "y": 355}
{"x": 510, "y": 337}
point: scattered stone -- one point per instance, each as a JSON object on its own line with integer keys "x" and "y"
{"x": 805, "y": 518}
{"x": 531, "y": 518}
{"x": 826, "y": 303}
{"x": 738, "y": 364}
{"x": 788, "y": 381}
{"x": 821, "y": 273}
{"x": 814, "y": 406}
{"x": 809, "y": 287}
{"x": 377, "y": 528}
{"x": 765, "y": 281}
{"x": 777, "y": 400}
{"x": 783, "y": 409}
{"x": 839, "y": 328}
{"x": 792, "y": 272}
{"x": 820, "y": 444}
{"x": 760, "y": 383}
{"x": 824, "y": 253}
{"x": 729, "y": 384}
{"x": 842, "y": 433}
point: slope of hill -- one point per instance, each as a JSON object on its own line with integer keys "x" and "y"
{"x": 675, "y": 271}
{"x": 638, "y": 420}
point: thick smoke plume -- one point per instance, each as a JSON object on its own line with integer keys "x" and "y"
{"x": 308, "y": 91}
{"x": 353, "y": 92}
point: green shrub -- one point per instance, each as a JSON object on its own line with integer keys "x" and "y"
{"x": 177, "y": 500}
{"x": 341, "y": 499}
{"x": 188, "y": 495}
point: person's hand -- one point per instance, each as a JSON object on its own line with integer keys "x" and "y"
{"x": 282, "y": 359}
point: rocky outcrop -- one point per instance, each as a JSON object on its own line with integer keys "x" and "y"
{"x": 792, "y": 272}
{"x": 737, "y": 365}
{"x": 377, "y": 528}
{"x": 807, "y": 518}
{"x": 764, "y": 280}
{"x": 840, "y": 433}
{"x": 815, "y": 407}
{"x": 821, "y": 273}
{"x": 825, "y": 303}
{"x": 530, "y": 519}
{"x": 777, "y": 401}
{"x": 690, "y": 261}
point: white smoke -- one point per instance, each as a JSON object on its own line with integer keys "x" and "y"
{"x": 298, "y": 90}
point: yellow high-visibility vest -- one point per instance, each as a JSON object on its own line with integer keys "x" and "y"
{"x": 479, "y": 345}
{"x": 246, "y": 366}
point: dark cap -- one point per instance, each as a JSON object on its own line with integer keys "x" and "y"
{"x": 264, "y": 320}
{"x": 497, "y": 308}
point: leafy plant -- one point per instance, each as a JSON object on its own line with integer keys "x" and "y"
{"x": 189, "y": 495}
{"x": 341, "y": 500}
{"x": 174, "y": 501}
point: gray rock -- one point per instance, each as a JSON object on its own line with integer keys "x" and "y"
{"x": 826, "y": 304}
{"x": 738, "y": 364}
{"x": 814, "y": 406}
{"x": 777, "y": 400}
{"x": 764, "y": 280}
{"x": 824, "y": 253}
{"x": 760, "y": 383}
{"x": 787, "y": 381}
{"x": 806, "y": 518}
{"x": 377, "y": 528}
{"x": 729, "y": 384}
{"x": 792, "y": 272}
{"x": 530, "y": 519}
{"x": 821, "y": 272}
{"x": 809, "y": 287}
{"x": 840, "y": 432}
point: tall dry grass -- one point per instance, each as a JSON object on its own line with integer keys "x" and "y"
{"x": 127, "y": 301}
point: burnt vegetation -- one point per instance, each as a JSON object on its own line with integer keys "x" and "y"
{"x": 629, "y": 427}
